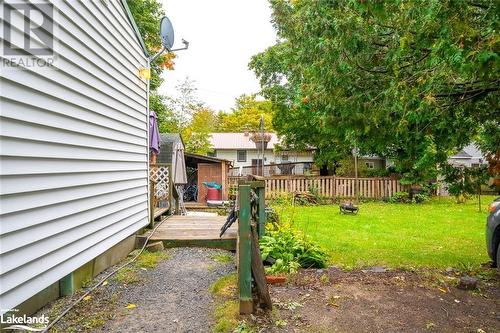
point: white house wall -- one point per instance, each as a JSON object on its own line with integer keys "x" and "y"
{"x": 73, "y": 150}
{"x": 271, "y": 157}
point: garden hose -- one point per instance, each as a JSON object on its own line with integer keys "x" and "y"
{"x": 49, "y": 326}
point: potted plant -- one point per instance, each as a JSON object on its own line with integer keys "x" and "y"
{"x": 260, "y": 139}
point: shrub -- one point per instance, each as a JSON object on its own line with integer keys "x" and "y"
{"x": 400, "y": 197}
{"x": 291, "y": 250}
{"x": 420, "y": 197}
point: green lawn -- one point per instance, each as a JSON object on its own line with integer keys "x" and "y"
{"x": 438, "y": 234}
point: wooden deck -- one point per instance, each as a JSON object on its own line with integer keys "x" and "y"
{"x": 195, "y": 230}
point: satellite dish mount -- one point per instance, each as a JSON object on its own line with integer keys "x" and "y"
{"x": 167, "y": 38}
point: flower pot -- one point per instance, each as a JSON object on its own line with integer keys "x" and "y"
{"x": 258, "y": 145}
{"x": 275, "y": 279}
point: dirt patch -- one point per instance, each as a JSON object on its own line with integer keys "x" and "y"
{"x": 333, "y": 300}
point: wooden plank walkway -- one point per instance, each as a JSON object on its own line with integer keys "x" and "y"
{"x": 196, "y": 230}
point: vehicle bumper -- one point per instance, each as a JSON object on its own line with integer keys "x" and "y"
{"x": 490, "y": 229}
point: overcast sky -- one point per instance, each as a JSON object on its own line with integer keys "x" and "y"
{"x": 223, "y": 35}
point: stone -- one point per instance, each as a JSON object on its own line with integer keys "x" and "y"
{"x": 375, "y": 269}
{"x": 467, "y": 283}
{"x": 155, "y": 246}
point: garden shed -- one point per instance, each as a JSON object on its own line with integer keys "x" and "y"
{"x": 207, "y": 169}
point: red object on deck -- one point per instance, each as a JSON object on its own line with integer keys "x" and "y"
{"x": 213, "y": 194}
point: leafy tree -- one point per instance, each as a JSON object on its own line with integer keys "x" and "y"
{"x": 410, "y": 80}
{"x": 186, "y": 103}
{"x": 463, "y": 182}
{"x": 147, "y": 15}
{"x": 197, "y": 134}
{"x": 168, "y": 122}
{"x": 246, "y": 115}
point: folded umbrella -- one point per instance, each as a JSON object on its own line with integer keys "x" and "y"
{"x": 154, "y": 134}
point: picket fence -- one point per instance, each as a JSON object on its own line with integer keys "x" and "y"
{"x": 331, "y": 186}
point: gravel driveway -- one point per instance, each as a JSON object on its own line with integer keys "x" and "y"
{"x": 175, "y": 296}
{"x": 172, "y": 297}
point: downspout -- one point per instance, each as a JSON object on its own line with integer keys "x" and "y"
{"x": 150, "y": 213}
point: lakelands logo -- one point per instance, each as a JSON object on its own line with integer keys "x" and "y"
{"x": 24, "y": 322}
{"x": 27, "y": 34}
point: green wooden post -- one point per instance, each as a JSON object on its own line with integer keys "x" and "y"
{"x": 245, "y": 251}
{"x": 66, "y": 285}
{"x": 261, "y": 192}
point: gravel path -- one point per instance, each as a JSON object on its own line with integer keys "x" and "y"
{"x": 175, "y": 296}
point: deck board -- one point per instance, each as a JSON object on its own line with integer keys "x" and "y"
{"x": 195, "y": 228}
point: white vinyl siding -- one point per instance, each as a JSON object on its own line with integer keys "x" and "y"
{"x": 73, "y": 145}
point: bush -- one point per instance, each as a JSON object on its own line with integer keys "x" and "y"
{"x": 420, "y": 197}
{"x": 400, "y": 197}
{"x": 291, "y": 250}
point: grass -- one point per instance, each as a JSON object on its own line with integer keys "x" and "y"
{"x": 147, "y": 260}
{"x": 436, "y": 234}
{"x": 227, "y": 311}
{"x": 225, "y": 286}
{"x": 150, "y": 260}
{"x": 127, "y": 275}
{"x": 222, "y": 258}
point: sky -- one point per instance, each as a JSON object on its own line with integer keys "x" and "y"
{"x": 222, "y": 35}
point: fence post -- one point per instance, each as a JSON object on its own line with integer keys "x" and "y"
{"x": 245, "y": 251}
{"x": 261, "y": 192}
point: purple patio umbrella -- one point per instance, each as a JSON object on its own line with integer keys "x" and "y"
{"x": 154, "y": 134}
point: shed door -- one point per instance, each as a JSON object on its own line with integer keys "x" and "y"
{"x": 207, "y": 172}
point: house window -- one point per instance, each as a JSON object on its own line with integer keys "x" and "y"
{"x": 212, "y": 153}
{"x": 241, "y": 155}
{"x": 370, "y": 165}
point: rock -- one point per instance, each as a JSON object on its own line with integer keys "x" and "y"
{"x": 450, "y": 270}
{"x": 155, "y": 247}
{"x": 467, "y": 283}
{"x": 319, "y": 271}
{"x": 375, "y": 269}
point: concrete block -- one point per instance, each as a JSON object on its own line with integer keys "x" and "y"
{"x": 155, "y": 246}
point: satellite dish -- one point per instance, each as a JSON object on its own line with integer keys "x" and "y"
{"x": 166, "y": 33}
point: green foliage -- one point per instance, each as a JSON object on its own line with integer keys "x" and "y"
{"x": 246, "y": 115}
{"x": 409, "y": 80}
{"x": 420, "y": 198}
{"x": 291, "y": 250}
{"x": 197, "y": 133}
{"x": 463, "y": 182}
{"x": 400, "y": 197}
{"x": 147, "y": 15}
{"x": 167, "y": 120}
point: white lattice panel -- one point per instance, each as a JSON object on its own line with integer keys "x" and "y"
{"x": 160, "y": 175}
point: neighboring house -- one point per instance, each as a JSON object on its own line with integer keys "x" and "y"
{"x": 241, "y": 150}
{"x": 469, "y": 157}
{"x": 74, "y": 154}
{"x": 373, "y": 162}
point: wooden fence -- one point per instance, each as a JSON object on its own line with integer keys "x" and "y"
{"x": 331, "y": 186}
